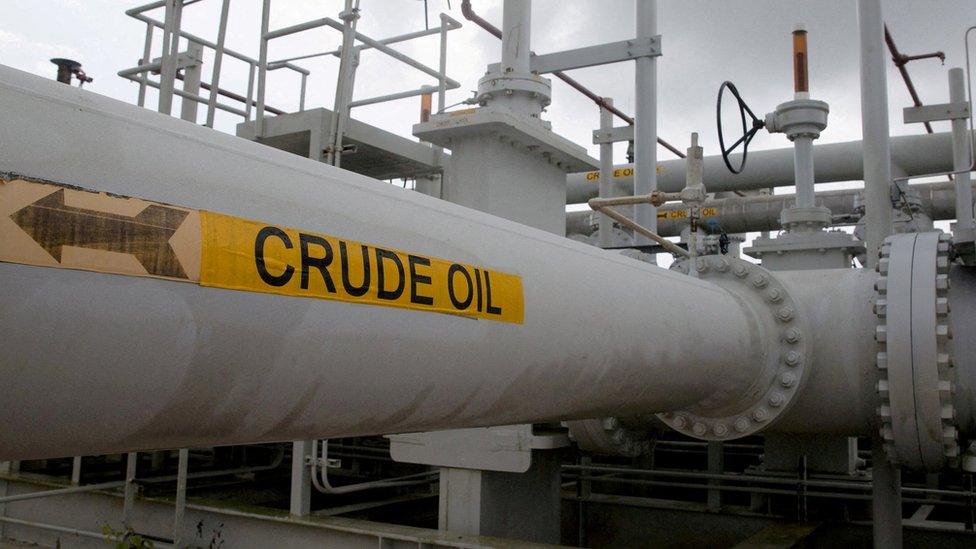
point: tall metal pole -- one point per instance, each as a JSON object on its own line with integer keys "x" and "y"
{"x": 606, "y": 173}
{"x": 347, "y": 59}
{"x": 516, "y": 37}
{"x": 171, "y": 45}
{"x": 262, "y": 67}
{"x": 645, "y": 120}
{"x": 874, "y": 128}
{"x": 962, "y": 153}
{"x": 886, "y": 498}
{"x": 146, "y": 53}
{"x": 218, "y": 60}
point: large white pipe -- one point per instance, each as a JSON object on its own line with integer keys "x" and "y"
{"x": 874, "y": 128}
{"x": 915, "y": 154}
{"x": 100, "y": 363}
{"x": 645, "y": 120}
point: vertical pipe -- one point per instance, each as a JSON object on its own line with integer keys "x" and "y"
{"x": 886, "y": 499}
{"x": 171, "y": 49}
{"x": 516, "y": 38}
{"x": 191, "y": 82}
{"x": 181, "y": 471}
{"x": 606, "y": 173}
{"x": 146, "y": 52}
{"x": 76, "y": 471}
{"x": 346, "y": 60}
{"x": 250, "y": 91}
{"x": 301, "y": 98}
{"x": 803, "y": 171}
{"x": 442, "y": 66}
{"x": 962, "y": 153}
{"x": 874, "y": 128}
{"x": 262, "y": 68}
{"x": 301, "y": 483}
{"x": 645, "y": 121}
{"x": 131, "y": 459}
{"x": 218, "y": 60}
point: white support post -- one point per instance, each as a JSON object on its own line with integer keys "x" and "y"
{"x": 962, "y": 153}
{"x": 171, "y": 48}
{"x": 218, "y": 61}
{"x": 645, "y": 121}
{"x": 347, "y": 60}
{"x": 146, "y": 58}
{"x": 76, "y": 471}
{"x": 300, "y": 502}
{"x": 191, "y": 82}
{"x": 874, "y": 128}
{"x": 128, "y": 504}
{"x": 181, "y": 476}
{"x": 262, "y": 68}
{"x": 606, "y": 174}
{"x": 886, "y": 499}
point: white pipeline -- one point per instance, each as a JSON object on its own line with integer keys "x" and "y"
{"x": 101, "y": 363}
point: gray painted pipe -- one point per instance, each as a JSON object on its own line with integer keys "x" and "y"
{"x": 761, "y": 213}
{"x": 915, "y": 154}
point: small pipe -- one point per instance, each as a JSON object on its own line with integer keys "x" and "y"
{"x": 320, "y": 477}
{"x": 625, "y": 221}
{"x": 62, "y": 491}
{"x": 901, "y": 60}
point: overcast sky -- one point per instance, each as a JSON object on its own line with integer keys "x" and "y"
{"x": 705, "y": 42}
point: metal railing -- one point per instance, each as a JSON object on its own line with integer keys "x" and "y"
{"x": 171, "y": 61}
{"x": 167, "y": 64}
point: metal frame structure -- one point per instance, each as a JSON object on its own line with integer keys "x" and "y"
{"x": 769, "y": 350}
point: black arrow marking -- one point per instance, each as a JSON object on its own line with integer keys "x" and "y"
{"x": 54, "y": 225}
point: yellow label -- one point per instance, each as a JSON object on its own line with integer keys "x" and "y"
{"x": 619, "y": 172}
{"x": 52, "y": 225}
{"x": 683, "y": 214}
{"x": 249, "y": 255}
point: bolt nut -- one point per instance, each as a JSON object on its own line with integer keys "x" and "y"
{"x": 760, "y": 281}
{"x": 785, "y": 313}
{"x": 740, "y": 270}
{"x": 699, "y": 429}
{"x": 774, "y": 295}
{"x": 776, "y": 400}
{"x": 680, "y": 422}
{"x": 701, "y": 265}
{"x": 792, "y": 358}
{"x": 741, "y": 424}
{"x": 792, "y": 335}
{"x": 787, "y": 380}
{"x": 720, "y": 430}
{"x": 760, "y": 414}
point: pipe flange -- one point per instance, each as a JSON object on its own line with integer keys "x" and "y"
{"x": 608, "y": 436}
{"x": 729, "y": 415}
{"x": 917, "y": 417}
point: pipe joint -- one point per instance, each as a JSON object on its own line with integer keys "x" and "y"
{"x": 754, "y": 398}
